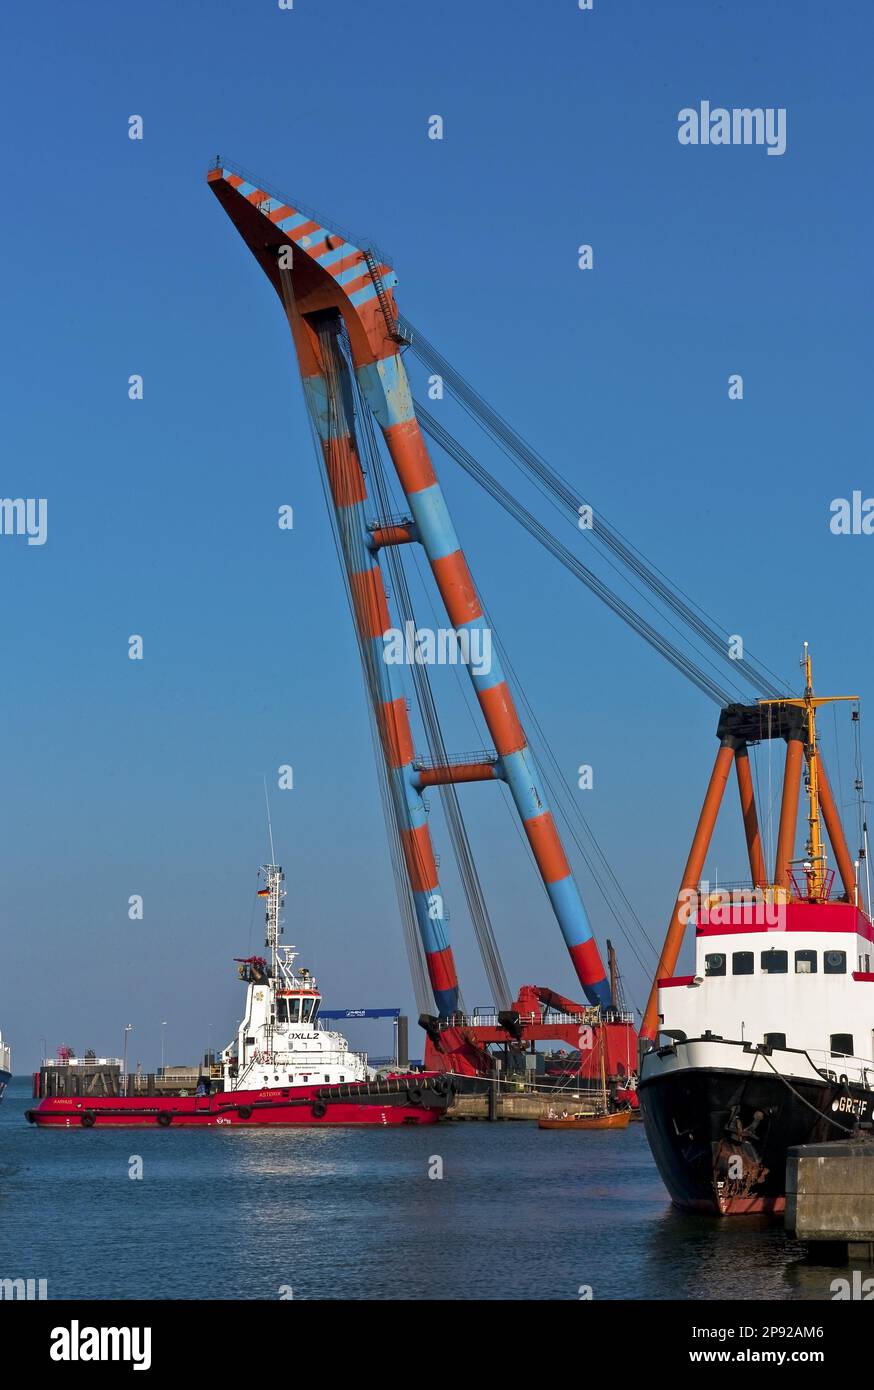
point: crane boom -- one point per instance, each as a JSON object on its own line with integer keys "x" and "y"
{"x": 331, "y": 287}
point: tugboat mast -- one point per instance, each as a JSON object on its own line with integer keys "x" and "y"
{"x": 274, "y": 878}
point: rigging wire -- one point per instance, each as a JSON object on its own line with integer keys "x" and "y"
{"x": 567, "y": 497}
{"x": 567, "y": 806}
{"x": 661, "y": 644}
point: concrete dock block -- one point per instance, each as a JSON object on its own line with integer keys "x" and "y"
{"x": 830, "y": 1192}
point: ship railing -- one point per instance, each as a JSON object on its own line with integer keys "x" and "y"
{"x": 423, "y": 763}
{"x": 82, "y": 1062}
{"x": 768, "y": 892}
{"x": 835, "y": 1066}
{"x": 482, "y": 1018}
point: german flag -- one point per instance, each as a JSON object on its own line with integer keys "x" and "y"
{"x": 263, "y": 893}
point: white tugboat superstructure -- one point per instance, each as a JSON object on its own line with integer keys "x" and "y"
{"x": 280, "y": 1041}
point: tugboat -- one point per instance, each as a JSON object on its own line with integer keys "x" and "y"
{"x": 768, "y": 1043}
{"x": 5, "y": 1066}
{"x": 283, "y": 1068}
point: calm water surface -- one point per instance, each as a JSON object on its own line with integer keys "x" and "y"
{"x": 519, "y": 1213}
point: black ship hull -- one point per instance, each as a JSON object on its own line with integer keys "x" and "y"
{"x": 720, "y": 1137}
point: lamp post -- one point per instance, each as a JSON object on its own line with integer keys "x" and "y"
{"x": 163, "y": 1026}
{"x": 127, "y": 1029}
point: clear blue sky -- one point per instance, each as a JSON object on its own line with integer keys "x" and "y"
{"x": 125, "y": 777}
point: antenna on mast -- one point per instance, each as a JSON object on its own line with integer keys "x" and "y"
{"x": 269, "y": 824}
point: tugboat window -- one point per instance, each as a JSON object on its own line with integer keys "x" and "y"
{"x": 775, "y": 962}
{"x": 714, "y": 965}
{"x": 742, "y": 963}
{"x": 842, "y": 1045}
{"x": 294, "y": 1011}
{"x": 805, "y": 962}
{"x": 835, "y": 962}
{"x": 305, "y": 1010}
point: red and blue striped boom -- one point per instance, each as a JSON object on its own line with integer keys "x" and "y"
{"x": 332, "y": 279}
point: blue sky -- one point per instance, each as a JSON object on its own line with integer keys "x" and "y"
{"x": 125, "y": 777}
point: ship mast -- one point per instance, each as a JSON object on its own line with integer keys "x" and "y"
{"x": 815, "y": 854}
{"x": 274, "y": 878}
{"x": 815, "y": 849}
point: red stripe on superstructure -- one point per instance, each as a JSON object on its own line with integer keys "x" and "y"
{"x": 409, "y": 453}
{"x": 669, "y": 981}
{"x": 441, "y": 969}
{"x": 371, "y": 605}
{"x": 397, "y": 737}
{"x": 587, "y": 962}
{"x": 419, "y": 858}
{"x": 864, "y": 976}
{"x": 457, "y": 588}
{"x": 548, "y": 850}
{"x": 865, "y": 930}
{"x": 503, "y": 721}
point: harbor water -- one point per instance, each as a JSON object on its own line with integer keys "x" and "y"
{"x": 518, "y": 1213}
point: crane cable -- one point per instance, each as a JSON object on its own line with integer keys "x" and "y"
{"x": 566, "y": 497}
{"x": 520, "y": 513}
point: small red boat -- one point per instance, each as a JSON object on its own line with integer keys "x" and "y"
{"x": 283, "y": 1068}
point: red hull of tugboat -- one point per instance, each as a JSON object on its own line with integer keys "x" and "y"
{"x": 417, "y": 1100}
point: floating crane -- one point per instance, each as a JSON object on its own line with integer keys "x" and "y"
{"x": 338, "y": 296}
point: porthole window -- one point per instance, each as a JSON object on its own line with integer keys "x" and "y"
{"x": 714, "y": 965}
{"x": 775, "y": 962}
{"x": 842, "y": 1045}
{"x": 835, "y": 963}
{"x": 805, "y": 962}
{"x": 742, "y": 963}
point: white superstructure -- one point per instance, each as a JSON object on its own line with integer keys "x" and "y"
{"x": 5, "y": 1065}
{"x": 796, "y": 977}
{"x": 280, "y": 1041}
